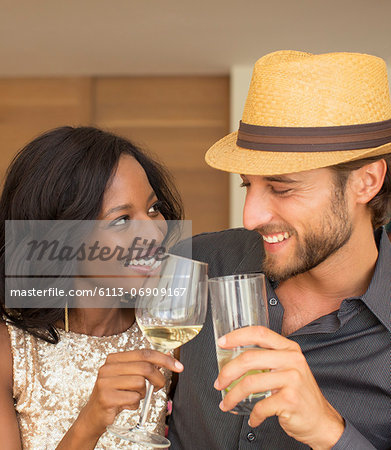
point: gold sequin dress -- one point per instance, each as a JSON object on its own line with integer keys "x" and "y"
{"x": 52, "y": 383}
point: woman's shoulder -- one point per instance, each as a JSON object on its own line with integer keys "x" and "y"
{"x": 10, "y": 437}
{"x": 6, "y": 358}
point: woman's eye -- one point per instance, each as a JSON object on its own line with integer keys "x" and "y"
{"x": 120, "y": 221}
{"x": 244, "y": 184}
{"x": 155, "y": 208}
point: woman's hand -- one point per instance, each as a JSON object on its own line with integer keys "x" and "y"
{"x": 121, "y": 385}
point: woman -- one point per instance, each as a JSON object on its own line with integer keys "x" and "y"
{"x": 65, "y": 377}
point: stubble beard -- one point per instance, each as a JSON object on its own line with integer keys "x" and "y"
{"x": 315, "y": 246}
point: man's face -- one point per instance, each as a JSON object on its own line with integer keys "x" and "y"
{"x": 303, "y": 218}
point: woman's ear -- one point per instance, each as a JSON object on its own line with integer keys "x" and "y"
{"x": 367, "y": 181}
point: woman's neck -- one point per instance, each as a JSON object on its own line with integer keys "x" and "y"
{"x": 100, "y": 321}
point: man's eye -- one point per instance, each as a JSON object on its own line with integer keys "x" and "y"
{"x": 280, "y": 191}
{"x": 244, "y": 184}
{"x": 120, "y": 221}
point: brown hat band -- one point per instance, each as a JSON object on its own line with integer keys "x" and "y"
{"x": 314, "y": 139}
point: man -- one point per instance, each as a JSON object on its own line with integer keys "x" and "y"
{"x": 313, "y": 150}
{"x": 388, "y": 229}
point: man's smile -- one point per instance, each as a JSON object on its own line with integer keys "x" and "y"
{"x": 276, "y": 237}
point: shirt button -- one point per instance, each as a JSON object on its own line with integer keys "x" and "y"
{"x": 273, "y": 301}
{"x": 251, "y": 437}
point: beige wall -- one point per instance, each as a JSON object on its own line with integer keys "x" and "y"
{"x": 240, "y": 81}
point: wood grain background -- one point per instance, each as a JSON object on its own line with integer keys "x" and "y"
{"x": 174, "y": 118}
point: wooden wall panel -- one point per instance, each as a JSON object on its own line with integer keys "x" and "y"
{"x": 177, "y": 119}
{"x": 30, "y": 106}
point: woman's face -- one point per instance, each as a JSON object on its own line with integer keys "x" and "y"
{"x": 129, "y": 230}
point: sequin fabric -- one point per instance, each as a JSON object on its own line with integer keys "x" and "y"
{"x": 52, "y": 383}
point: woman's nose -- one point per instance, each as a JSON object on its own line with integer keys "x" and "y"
{"x": 149, "y": 231}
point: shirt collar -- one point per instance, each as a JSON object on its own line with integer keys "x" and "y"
{"x": 378, "y": 295}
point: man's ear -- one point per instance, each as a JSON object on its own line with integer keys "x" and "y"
{"x": 367, "y": 181}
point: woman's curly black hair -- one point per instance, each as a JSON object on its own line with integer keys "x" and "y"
{"x": 62, "y": 175}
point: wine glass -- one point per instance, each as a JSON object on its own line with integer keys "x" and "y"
{"x": 238, "y": 301}
{"x": 170, "y": 311}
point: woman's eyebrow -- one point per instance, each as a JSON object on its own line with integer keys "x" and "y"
{"x": 127, "y": 205}
{"x": 118, "y": 208}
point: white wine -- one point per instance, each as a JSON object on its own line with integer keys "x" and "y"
{"x": 165, "y": 338}
{"x": 224, "y": 356}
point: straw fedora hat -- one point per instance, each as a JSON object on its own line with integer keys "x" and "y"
{"x": 306, "y": 111}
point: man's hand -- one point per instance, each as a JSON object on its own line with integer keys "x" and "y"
{"x": 302, "y": 410}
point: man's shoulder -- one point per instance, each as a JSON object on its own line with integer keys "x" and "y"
{"x": 218, "y": 241}
{"x": 227, "y": 251}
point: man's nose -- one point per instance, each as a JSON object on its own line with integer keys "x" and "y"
{"x": 258, "y": 209}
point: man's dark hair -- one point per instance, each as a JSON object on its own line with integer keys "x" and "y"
{"x": 62, "y": 175}
{"x": 380, "y": 205}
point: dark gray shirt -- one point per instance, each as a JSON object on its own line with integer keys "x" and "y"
{"x": 348, "y": 351}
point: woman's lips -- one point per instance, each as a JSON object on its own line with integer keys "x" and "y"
{"x": 144, "y": 265}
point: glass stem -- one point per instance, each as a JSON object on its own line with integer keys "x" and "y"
{"x": 146, "y": 404}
